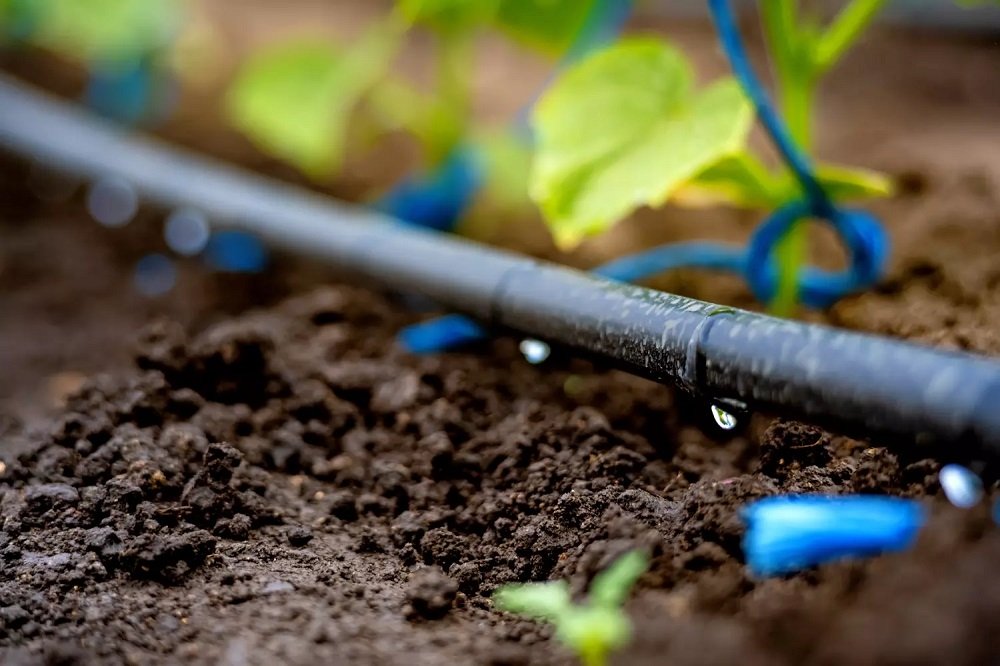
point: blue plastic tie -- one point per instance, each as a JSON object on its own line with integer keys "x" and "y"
{"x": 234, "y": 251}
{"x": 789, "y": 533}
{"x": 121, "y": 91}
{"x": 133, "y": 92}
{"x": 438, "y": 198}
{"x": 127, "y": 91}
{"x": 862, "y": 234}
{"x": 444, "y": 332}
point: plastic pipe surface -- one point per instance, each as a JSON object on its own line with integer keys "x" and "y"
{"x": 828, "y": 375}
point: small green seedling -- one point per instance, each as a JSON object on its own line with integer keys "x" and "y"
{"x": 627, "y": 127}
{"x": 592, "y": 629}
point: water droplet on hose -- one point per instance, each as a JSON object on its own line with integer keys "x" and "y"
{"x": 112, "y": 201}
{"x": 186, "y": 232}
{"x": 961, "y": 486}
{"x": 723, "y": 419}
{"x": 535, "y": 351}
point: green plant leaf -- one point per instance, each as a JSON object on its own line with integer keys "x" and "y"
{"x": 544, "y": 601}
{"x": 742, "y": 180}
{"x": 547, "y": 25}
{"x": 105, "y": 30}
{"x": 593, "y": 632}
{"x": 508, "y": 160}
{"x": 435, "y": 124}
{"x": 448, "y": 16}
{"x": 853, "y": 184}
{"x": 625, "y": 128}
{"x": 739, "y": 179}
{"x": 294, "y": 100}
{"x": 611, "y": 587}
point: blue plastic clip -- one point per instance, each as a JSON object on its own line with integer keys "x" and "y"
{"x": 788, "y": 533}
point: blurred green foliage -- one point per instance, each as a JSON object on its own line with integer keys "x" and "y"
{"x": 547, "y": 25}
{"x": 295, "y": 100}
{"x": 742, "y": 180}
{"x": 94, "y": 30}
{"x": 449, "y": 17}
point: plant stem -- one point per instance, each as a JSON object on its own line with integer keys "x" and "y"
{"x": 593, "y": 657}
{"x": 796, "y": 86}
{"x": 778, "y": 17}
{"x": 454, "y": 67}
{"x": 844, "y": 32}
{"x": 797, "y": 77}
{"x": 798, "y": 97}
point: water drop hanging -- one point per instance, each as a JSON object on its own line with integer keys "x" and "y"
{"x": 535, "y": 351}
{"x": 961, "y": 486}
{"x": 724, "y": 419}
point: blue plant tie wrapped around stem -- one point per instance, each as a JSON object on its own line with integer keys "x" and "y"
{"x": 862, "y": 234}
{"x": 788, "y": 533}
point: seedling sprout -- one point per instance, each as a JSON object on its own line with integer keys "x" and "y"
{"x": 592, "y": 629}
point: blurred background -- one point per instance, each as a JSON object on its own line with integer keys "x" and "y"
{"x": 918, "y": 100}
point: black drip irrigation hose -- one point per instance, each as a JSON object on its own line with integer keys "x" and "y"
{"x": 849, "y": 380}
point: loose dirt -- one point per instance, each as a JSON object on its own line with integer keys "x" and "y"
{"x": 286, "y": 485}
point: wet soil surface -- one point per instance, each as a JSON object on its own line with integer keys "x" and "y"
{"x": 288, "y": 486}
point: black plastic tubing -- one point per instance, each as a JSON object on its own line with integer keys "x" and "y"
{"x": 832, "y": 376}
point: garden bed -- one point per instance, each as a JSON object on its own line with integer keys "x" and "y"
{"x": 287, "y": 484}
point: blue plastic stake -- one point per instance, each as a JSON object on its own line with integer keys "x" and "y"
{"x": 789, "y": 533}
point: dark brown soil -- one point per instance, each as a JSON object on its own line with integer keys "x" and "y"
{"x": 288, "y": 486}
